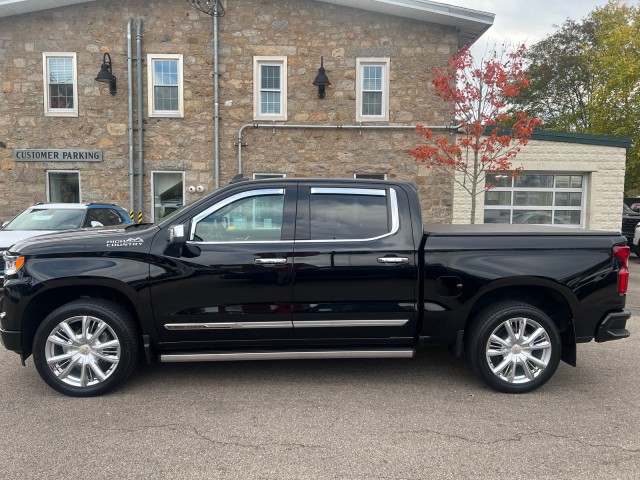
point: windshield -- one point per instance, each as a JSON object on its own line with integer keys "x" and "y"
{"x": 47, "y": 219}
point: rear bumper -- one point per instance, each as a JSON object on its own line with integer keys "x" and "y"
{"x": 612, "y": 326}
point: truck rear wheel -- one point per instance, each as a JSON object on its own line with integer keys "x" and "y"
{"x": 86, "y": 347}
{"x": 514, "y": 346}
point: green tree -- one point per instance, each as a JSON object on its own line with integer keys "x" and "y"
{"x": 585, "y": 78}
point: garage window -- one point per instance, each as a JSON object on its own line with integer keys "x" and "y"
{"x": 536, "y": 198}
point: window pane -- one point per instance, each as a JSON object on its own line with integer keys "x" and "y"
{"x": 60, "y": 70}
{"x": 499, "y": 180}
{"x": 165, "y": 72}
{"x": 372, "y": 103}
{"x": 534, "y": 217}
{"x": 533, "y": 198}
{"x": 348, "y": 216}
{"x": 573, "y": 199}
{"x": 497, "y": 216}
{"x": 567, "y": 217}
{"x": 64, "y": 187}
{"x": 534, "y": 181}
{"x": 61, "y": 96}
{"x": 576, "y": 181}
{"x": 166, "y": 98}
{"x": 270, "y": 77}
{"x": 372, "y": 78}
{"x": 167, "y": 193}
{"x": 270, "y": 103}
{"x": 497, "y": 198}
{"x": 252, "y": 219}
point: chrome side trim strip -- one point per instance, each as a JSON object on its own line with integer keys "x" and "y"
{"x": 286, "y": 355}
{"x": 349, "y": 323}
{"x": 349, "y": 191}
{"x": 226, "y": 325}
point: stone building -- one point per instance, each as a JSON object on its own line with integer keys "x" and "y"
{"x": 200, "y": 98}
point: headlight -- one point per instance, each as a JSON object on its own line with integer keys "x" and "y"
{"x": 12, "y": 263}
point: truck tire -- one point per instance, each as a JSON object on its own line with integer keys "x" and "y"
{"x": 514, "y": 346}
{"x": 86, "y": 347}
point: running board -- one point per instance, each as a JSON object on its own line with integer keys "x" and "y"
{"x": 286, "y": 355}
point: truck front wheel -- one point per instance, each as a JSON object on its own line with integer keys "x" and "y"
{"x": 86, "y": 347}
{"x": 514, "y": 346}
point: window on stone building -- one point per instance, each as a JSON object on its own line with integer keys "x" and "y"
{"x": 536, "y": 198}
{"x": 63, "y": 186}
{"x": 165, "y": 79}
{"x": 270, "y": 88}
{"x": 371, "y": 176}
{"x": 60, "y": 84}
{"x": 167, "y": 192}
{"x": 258, "y": 176}
{"x": 372, "y": 83}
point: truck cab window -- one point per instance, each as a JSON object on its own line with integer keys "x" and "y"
{"x": 253, "y": 218}
{"x": 354, "y": 214}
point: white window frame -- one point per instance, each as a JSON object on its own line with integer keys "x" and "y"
{"x": 258, "y": 62}
{"x": 153, "y": 189}
{"x": 48, "y": 190}
{"x": 258, "y": 176}
{"x": 553, "y": 207}
{"x": 59, "y": 112}
{"x": 385, "y": 63}
{"x": 151, "y": 58}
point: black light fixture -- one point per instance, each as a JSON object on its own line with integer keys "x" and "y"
{"x": 106, "y": 75}
{"x": 321, "y": 80}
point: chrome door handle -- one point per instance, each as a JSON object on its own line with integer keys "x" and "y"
{"x": 266, "y": 261}
{"x": 393, "y": 260}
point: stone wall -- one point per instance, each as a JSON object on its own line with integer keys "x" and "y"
{"x": 302, "y": 30}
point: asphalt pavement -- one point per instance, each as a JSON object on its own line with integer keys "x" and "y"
{"x": 429, "y": 417}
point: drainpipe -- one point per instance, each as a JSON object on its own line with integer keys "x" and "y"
{"x": 274, "y": 126}
{"x": 130, "y": 118}
{"x": 216, "y": 113}
{"x": 140, "y": 115}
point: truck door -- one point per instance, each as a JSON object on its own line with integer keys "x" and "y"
{"x": 231, "y": 285}
{"x": 355, "y": 270}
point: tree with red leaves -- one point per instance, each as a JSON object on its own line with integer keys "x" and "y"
{"x": 479, "y": 96}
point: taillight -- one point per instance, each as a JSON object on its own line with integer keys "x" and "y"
{"x": 621, "y": 252}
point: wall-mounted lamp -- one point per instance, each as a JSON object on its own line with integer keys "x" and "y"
{"x": 321, "y": 80}
{"x": 106, "y": 75}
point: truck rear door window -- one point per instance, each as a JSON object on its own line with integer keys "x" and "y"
{"x": 342, "y": 214}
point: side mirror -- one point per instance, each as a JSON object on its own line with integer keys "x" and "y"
{"x": 177, "y": 236}
{"x": 4, "y": 224}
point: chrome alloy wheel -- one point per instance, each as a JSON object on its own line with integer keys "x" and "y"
{"x": 82, "y": 351}
{"x": 518, "y": 350}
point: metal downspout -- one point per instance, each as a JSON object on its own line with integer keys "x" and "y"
{"x": 130, "y": 114}
{"x": 274, "y": 126}
{"x": 140, "y": 115}
{"x": 216, "y": 113}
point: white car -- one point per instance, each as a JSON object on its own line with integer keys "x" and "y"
{"x": 636, "y": 241}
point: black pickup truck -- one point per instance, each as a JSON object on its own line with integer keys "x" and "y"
{"x": 301, "y": 268}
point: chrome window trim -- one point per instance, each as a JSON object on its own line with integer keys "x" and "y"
{"x": 227, "y": 201}
{"x": 395, "y": 214}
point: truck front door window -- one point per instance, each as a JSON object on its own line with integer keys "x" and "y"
{"x": 256, "y": 217}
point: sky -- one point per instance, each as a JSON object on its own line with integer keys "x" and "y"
{"x": 524, "y": 21}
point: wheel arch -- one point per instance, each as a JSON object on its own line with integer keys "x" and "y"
{"x": 545, "y": 297}
{"x": 46, "y": 301}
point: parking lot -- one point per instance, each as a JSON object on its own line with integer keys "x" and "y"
{"x": 354, "y": 419}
